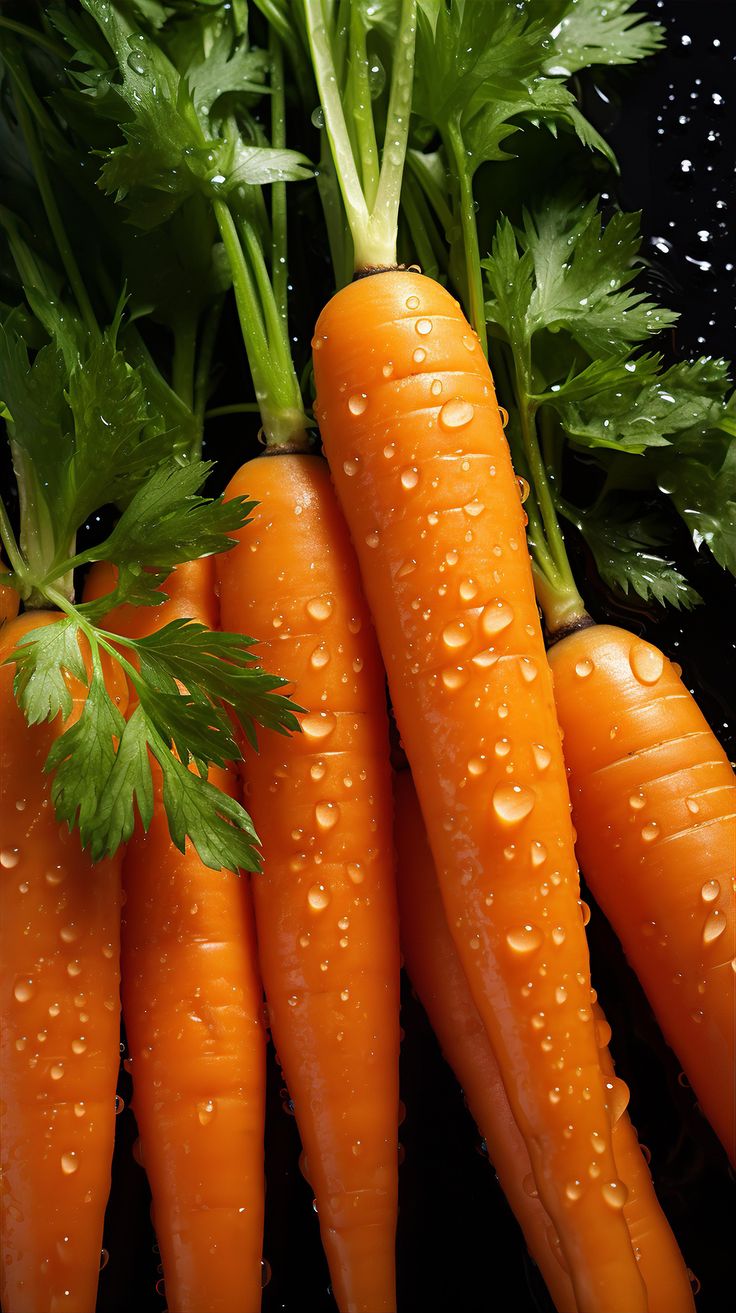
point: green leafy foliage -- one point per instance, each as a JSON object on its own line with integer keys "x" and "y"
{"x": 587, "y": 32}
{"x": 622, "y": 538}
{"x": 43, "y": 658}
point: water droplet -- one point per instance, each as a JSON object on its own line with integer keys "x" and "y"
{"x": 573, "y": 1190}
{"x": 474, "y": 508}
{"x": 24, "y": 989}
{"x": 455, "y": 414}
{"x": 412, "y": 303}
{"x": 584, "y": 668}
{"x": 614, "y": 1193}
{"x": 319, "y": 657}
{"x": 637, "y": 801}
{"x": 560, "y": 994}
{"x": 524, "y": 939}
{"x": 584, "y": 911}
{"x": 318, "y": 725}
{"x": 528, "y": 669}
{"x": 69, "y": 1163}
{"x": 455, "y": 635}
{"x": 371, "y": 539}
{"x": 9, "y": 857}
{"x": 406, "y": 569}
{"x": 555, "y": 1094}
{"x": 496, "y": 616}
{"x": 389, "y": 450}
{"x": 710, "y": 891}
{"x": 79, "y": 1045}
{"x": 387, "y": 369}
{"x": 714, "y": 926}
{"x": 529, "y": 1186}
{"x": 435, "y": 387}
{"x": 454, "y": 677}
{"x": 485, "y": 659}
{"x": 424, "y": 327}
{"x": 693, "y": 806}
{"x": 56, "y": 1071}
{"x": 542, "y": 756}
{"x": 326, "y": 814}
{"x": 119, "y": 1104}
{"x": 55, "y": 875}
{"x": 350, "y": 467}
{"x": 68, "y": 934}
{"x": 468, "y": 589}
{"x": 538, "y": 853}
{"x": 512, "y": 802}
{"x": 357, "y": 403}
{"x": 355, "y": 872}
{"x": 410, "y": 478}
{"x": 477, "y": 765}
{"x": 320, "y": 608}
{"x": 650, "y": 832}
{"x": 646, "y": 662}
{"x": 318, "y": 897}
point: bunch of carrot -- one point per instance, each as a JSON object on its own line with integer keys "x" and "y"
{"x": 402, "y": 556}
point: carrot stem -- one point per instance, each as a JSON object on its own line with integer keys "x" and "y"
{"x": 279, "y": 269}
{"x": 38, "y": 38}
{"x": 12, "y": 550}
{"x": 185, "y": 347}
{"x": 360, "y": 105}
{"x": 476, "y": 303}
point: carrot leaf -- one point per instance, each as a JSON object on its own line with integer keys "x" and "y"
{"x": 586, "y": 32}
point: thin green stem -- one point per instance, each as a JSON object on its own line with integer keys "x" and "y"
{"x": 185, "y": 349}
{"x": 12, "y": 550}
{"x": 55, "y": 221}
{"x": 240, "y": 408}
{"x": 37, "y": 38}
{"x": 420, "y": 236}
{"x": 476, "y": 304}
{"x": 279, "y": 267}
{"x": 388, "y": 199}
{"x": 361, "y": 109}
{"x": 207, "y": 341}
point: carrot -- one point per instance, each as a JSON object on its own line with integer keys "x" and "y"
{"x": 435, "y": 971}
{"x": 647, "y": 772}
{"x": 192, "y": 1004}
{"x": 413, "y": 436}
{"x": 436, "y": 974}
{"x": 9, "y": 598}
{"x": 325, "y": 901}
{"x": 421, "y": 467}
{"x": 59, "y": 1054}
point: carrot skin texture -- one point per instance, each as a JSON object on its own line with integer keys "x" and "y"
{"x": 413, "y": 435}
{"x": 435, "y": 971}
{"x": 192, "y": 1002}
{"x": 654, "y": 805}
{"x": 325, "y": 902}
{"x": 59, "y": 1040}
{"x": 436, "y": 974}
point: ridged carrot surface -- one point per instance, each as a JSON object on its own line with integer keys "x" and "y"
{"x": 654, "y": 805}
{"x": 60, "y": 1011}
{"x": 414, "y": 439}
{"x": 437, "y": 975}
{"x": 325, "y": 902}
{"x": 192, "y": 1003}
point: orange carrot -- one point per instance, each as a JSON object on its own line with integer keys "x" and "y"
{"x": 437, "y": 975}
{"x": 192, "y": 1003}
{"x": 414, "y": 439}
{"x": 325, "y": 901}
{"x": 654, "y": 805}
{"x": 59, "y": 1042}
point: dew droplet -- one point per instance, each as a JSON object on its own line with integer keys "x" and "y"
{"x": 496, "y": 616}
{"x": 419, "y": 355}
{"x": 474, "y": 508}
{"x": 573, "y": 1190}
{"x": 454, "y": 677}
{"x": 423, "y": 327}
{"x": 710, "y": 891}
{"x": 9, "y": 857}
{"x": 650, "y": 831}
{"x": 693, "y": 806}
{"x": 410, "y": 478}
{"x": 79, "y": 1045}
{"x": 412, "y": 302}
{"x": 558, "y": 935}
{"x": 320, "y": 608}
{"x": 714, "y": 926}
{"x": 69, "y": 1163}
{"x": 646, "y": 662}
{"x": 319, "y": 657}
{"x": 542, "y": 756}
{"x": 560, "y": 994}
{"x": 637, "y": 801}
{"x": 584, "y": 911}
{"x": 357, "y": 403}
{"x": 56, "y": 1071}
{"x": 355, "y": 872}
{"x": 326, "y": 814}
{"x": 435, "y": 387}
{"x": 455, "y": 634}
{"x": 387, "y": 369}
{"x": 538, "y": 853}
{"x": 455, "y": 414}
{"x": 468, "y": 589}
{"x": 24, "y": 989}
{"x": 477, "y": 765}
{"x": 350, "y": 467}
{"x": 584, "y": 668}
{"x": 528, "y": 669}
{"x": 318, "y": 725}
{"x": 389, "y": 450}
{"x": 512, "y": 802}
{"x": 614, "y": 1193}
{"x": 524, "y": 939}
{"x": 68, "y": 934}
{"x": 318, "y": 897}
{"x": 371, "y": 539}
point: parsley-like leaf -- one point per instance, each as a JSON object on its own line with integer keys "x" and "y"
{"x": 43, "y": 658}
{"x": 588, "y": 32}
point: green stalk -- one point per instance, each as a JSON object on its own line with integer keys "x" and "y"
{"x": 455, "y": 147}
{"x": 37, "y": 38}
{"x": 55, "y": 221}
{"x": 12, "y": 551}
{"x": 204, "y": 363}
{"x": 279, "y": 269}
{"x": 185, "y": 349}
{"x": 373, "y": 226}
{"x": 361, "y": 109}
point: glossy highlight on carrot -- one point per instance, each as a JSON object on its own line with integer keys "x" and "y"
{"x": 59, "y": 1041}
{"x": 192, "y": 1002}
{"x": 647, "y": 772}
{"x": 325, "y": 902}
{"x": 412, "y": 431}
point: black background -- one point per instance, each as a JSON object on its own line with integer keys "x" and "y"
{"x": 671, "y": 125}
